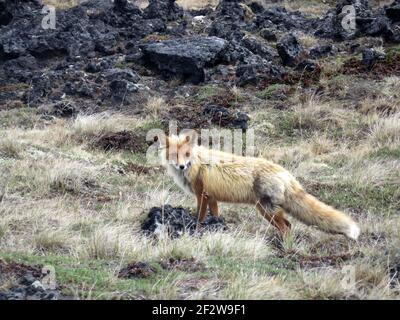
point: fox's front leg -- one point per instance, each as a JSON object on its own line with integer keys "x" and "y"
{"x": 213, "y": 205}
{"x": 202, "y": 204}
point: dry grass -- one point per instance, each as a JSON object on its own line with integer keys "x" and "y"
{"x": 65, "y": 203}
{"x": 65, "y": 200}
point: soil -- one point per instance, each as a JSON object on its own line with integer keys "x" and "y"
{"x": 136, "y": 270}
{"x": 26, "y": 283}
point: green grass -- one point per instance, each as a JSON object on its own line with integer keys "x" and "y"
{"x": 386, "y": 152}
{"x": 206, "y": 92}
{"x": 269, "y": 91}
{"x": 97, "y": 279}
{"x": 376, "y": 199}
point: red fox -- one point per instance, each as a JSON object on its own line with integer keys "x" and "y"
{"x": 215, "y": 176}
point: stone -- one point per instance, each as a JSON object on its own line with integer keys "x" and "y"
{"x": 185, "y": 57}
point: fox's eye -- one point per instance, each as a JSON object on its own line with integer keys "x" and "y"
{"x": 188, "y": 154}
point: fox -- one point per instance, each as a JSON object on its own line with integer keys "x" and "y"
{"x": 214, "y": 176}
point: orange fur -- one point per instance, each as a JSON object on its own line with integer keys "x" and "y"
{"x": 215, "y": 176}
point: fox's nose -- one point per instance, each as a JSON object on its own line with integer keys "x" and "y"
{"x": 181, "y": 167}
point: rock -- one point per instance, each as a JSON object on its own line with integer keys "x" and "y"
{"x": 166, "y": 10}
{"x": 254, "y": 69}
{"x": 340, "y": 23}
{"x": 121, "y": 74}
{"x": 290, "y": 50}
{"x": 256, "y": 47}
{"x": 37, "y": 286}
{"x": 186, "y": 57}
{"x": 223, "y": 117}
{"x": 371, "y": 56}
{"x": 268, "y": 34}
{"x": 306, "y": 65}
{"x": 176, "y": 221}
{"x": 256, "y": 7}
{"x": 393, "y": 12}
{"x": 320, "y": 51}
{"x": 230, "y": 17}
{"x": 281, "y": 19}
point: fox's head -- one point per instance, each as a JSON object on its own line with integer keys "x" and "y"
{"x": 176, "y": 150}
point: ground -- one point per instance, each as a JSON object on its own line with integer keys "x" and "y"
{"x": 69, "y": 201}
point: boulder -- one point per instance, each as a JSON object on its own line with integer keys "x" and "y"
{"x": 253, "y": 69}
{"x": 290, "y": 50}
{"x": 166, "y": 10}
{"x": 393, "y": 12}
{"x": 259, "y": 48}
{"x": 185, "y": 57}
{"x": 320, "y": 51}
{"x": 177, "y": 221}
{"x": 371, "y": 56}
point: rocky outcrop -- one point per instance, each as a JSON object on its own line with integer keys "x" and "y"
{"x": 290, "y": 50}
{"x": 186, "y": 57}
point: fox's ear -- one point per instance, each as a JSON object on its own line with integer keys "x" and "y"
{"x": 159, "y": 138}
{"x": 190, "y": 136}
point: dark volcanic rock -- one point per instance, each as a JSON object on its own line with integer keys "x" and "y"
{"x": 393, "y": 12}
{"x": 254, "y": 69}
{"x": 230, "y": 20}
{"x": 177, "y": 221}
{"x": 354, "y": 18}
{"x": 280, "y": 18}
{"x": 186, "y": 57}
{"x": 290, "y": 50}
{"x": 371, "y": 56}
{"x": 29, "y": 284}
{"x": 166, "y": 10}
{"x": 320, "y": 51}
{"x": 268, "y": 34}
{"x": 257, "y": 47}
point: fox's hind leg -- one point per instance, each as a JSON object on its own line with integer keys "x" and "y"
{"x": 213, "y": 205}
{"x": 275, "y": 216}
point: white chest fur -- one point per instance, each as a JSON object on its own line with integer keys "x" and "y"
{"x": 180, "y": 178}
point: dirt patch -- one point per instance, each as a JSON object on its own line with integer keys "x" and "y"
{"x": 187, "y": 265}
{"x": 390, "y": 66}
{"x": 123, "y": 140}
{"x": 199, "y": 117}
{"x": 30, "y": 283}
{"x": 306, "y": 262}
{"x": 14, "y": 269}
{"x": 306, "y": 75}
{"x": 136, "y": 168}
{"x": 187, "y": 117}
{"x": 136, "y": 270}
{"x": 176, "y": 221}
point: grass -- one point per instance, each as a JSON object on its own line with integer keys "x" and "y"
{"x": 68, "y": 204}
{"x": 73, "y": 210}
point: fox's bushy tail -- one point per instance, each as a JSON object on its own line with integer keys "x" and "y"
{"x": 311, "y": 211}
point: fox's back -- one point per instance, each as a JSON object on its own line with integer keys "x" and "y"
{"x": 232, "y": 178}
